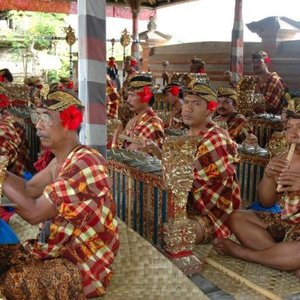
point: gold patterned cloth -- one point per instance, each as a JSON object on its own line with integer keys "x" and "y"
{"x": 224, "y": 92}
{"x": 202, "y": 90}
{"x": 23, "y": 277}
{"x": 60, "y": 100}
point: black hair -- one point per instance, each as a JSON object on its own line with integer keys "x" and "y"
{"x": 7, "y": 74}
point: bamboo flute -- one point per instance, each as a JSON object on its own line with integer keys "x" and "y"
{"x": 289, "y": 158}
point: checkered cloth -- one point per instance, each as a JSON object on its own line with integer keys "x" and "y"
{"x": 13, "y": 144}
{"x": 236, "y": 124}
{"x": 273, "y": 90}
{"x": 85, "y": 230}
{"x": 148, "y": 126}
{"x": 112, "y": 99}
{"x": 216, "y": 191}
{"x": 291, "y": 208}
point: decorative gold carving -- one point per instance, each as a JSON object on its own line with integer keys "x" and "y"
{"x": 70, "y": 35}
{"x": 3, "y": 165}
{"x": 277, "y": 144}
{"x": 247, "y": 99}
{"x": 125, "y": 38}
{"x": 185, "y": 79}
{"x": 179, "y": 236}
{"x": 178, "y": 173}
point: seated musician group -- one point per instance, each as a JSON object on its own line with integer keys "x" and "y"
{"x": 71, "y": 196}
{"x": 215, "y": 201}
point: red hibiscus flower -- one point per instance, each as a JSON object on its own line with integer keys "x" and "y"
{"x": 212, "y": 105}
{"x": 70, "y": 85}
{"x": 174, "y": 90}
{"x": 71, "y": 118}
{"x": 267, "y": 60}
{"x": 145, "y": 95}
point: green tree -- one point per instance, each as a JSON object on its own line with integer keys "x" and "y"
{"x": 34, "y": 32}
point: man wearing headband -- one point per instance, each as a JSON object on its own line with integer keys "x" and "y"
{"x": 270, "y": 85}
{"x": 215, "y": 193}
{"x": 197, "y": 66}
{"x": 237, "y": 124}
{"x": 71, "y": 197}
{"x": 267, "y": 238}
{"x": 145, "y": 129}
{"x": 131, "y": 68}
{"x": 174, "y": 97}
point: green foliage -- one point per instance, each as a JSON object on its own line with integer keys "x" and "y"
{"x": 34, "y": 31}
{"x": 54, "y": 75}
{"x": 34, "y": 28}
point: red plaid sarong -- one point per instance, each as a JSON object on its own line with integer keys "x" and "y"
{"x": 236, "y": 124}
{"x": 112, "y": 99}
{"x": 148, "y": 126}
{"x": 273, "y": 90}
{"x": 85, "y": 230}
{"x": 291, "y": 207}
{"x": 216, "y": 191}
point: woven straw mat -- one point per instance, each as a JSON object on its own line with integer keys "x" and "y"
{"x": 280, "y": 283}
{"x": 23, "y": 229}
{"x": 142, "y": 272}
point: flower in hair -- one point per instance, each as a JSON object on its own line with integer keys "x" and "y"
{"x": 145, "y": 95}
{"x": 133, "y": 63}
{"x": 71, "y": 117}
{"x": 70, "y": 85}
{"x": 267, "y": 60}
{"x": 4, "y": 101}
{"x": 212, "y": 105}
{"x": 2, "y": 79}
{"x": 174, "y": 90}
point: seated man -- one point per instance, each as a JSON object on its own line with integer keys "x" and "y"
{"x": 237, "y": 124}
{"x": 131, "y": 68}
{"x": 71, "y": 257}
{"x": 112, "y": 99}
{"x": 144, "y": 131}
{"x": 270, "y": 84}
{"x": 35, "y": 85}
{"x": 266, "y": 238}
{"x": 197, "y": 66}
{"x": 174, "y": 97}
{"x": 215, "y": 193}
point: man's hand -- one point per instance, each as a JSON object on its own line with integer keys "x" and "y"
{"x": 290, "y": 181}
{"x": 275, "y": 167}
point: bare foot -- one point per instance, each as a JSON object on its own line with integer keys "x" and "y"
{"x": 227, "y": 246}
